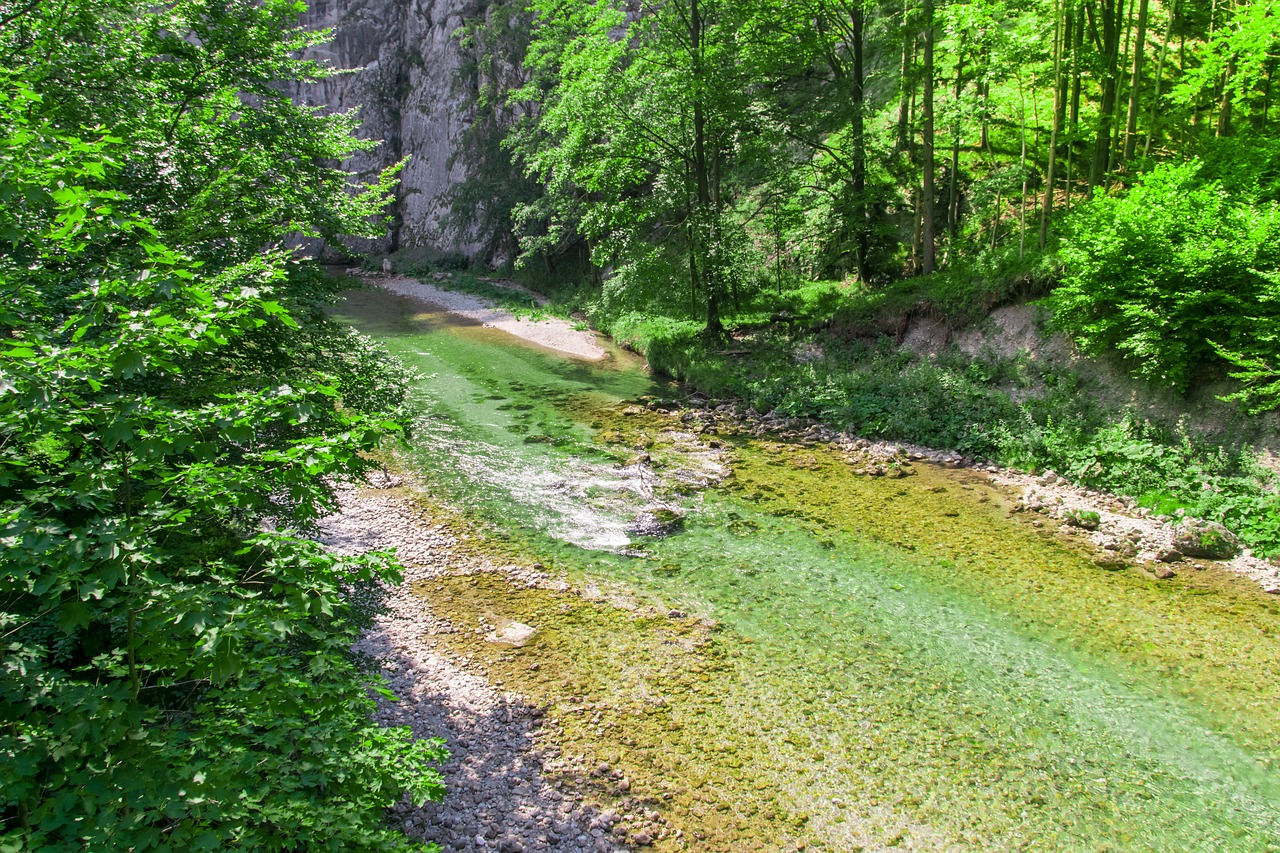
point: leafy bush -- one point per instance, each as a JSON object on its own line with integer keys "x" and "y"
{"x": 667, "y": 343}
{"x": 1168, "y": 271}
{"x": 1162, "y": 470}
{"x": 176, "y": 670}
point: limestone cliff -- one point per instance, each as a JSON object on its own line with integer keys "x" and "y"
{"x": 407, "y": 53}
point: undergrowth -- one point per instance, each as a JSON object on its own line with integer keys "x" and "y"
{"x": 1019, "y": 412}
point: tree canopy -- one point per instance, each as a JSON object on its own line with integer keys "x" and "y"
{"x": 175, "y": 407}
{"x": 736, "y": 147}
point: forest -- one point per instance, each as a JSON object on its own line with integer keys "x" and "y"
{"x": 1118, "y": 153}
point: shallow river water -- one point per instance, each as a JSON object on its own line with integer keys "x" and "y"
{"x": 895, "y": 663}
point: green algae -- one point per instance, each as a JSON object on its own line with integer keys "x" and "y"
{"x": 638, "y": 691}
{"x": 1206, "y": 635}
{"x": 902, "y": 662}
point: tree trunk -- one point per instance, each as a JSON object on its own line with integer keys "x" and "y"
{"x": 1135, "y": 84}
{"x": 927, "y": 237}
{"x": 1062, "y": 36}
{"x": 904, "y": 103}
{"x": 860, "y": 218}
{"x": 1111, "y": 14}
{"x": 1266, "y": 98}
{"x": 1155, "y": 102}
{"x": 953, "y": 190}
{"x": 917, "y": 223}
{"x": 702, "y": 177}
{"x": 1225, "y": 104}
{"x": 694, "y": 284}
{"x": 984, "y": 95}
{"x": 1073, "y": 124}
{"x": 1022, "y": 165}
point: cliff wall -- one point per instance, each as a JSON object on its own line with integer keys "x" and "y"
{"x": 407, "y": 54}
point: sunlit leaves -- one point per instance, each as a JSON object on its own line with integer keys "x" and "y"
{"x": 172, "y": 676}
{"x": 1173, "y": 275}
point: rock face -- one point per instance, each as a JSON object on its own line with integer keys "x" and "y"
{"x": 408, "y": 55}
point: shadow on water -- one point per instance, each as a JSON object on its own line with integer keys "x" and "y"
{"x": 899, "y": 663}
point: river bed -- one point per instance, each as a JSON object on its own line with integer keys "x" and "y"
{"x": 814, "y": 658}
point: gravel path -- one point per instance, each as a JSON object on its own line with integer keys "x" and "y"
{"x": 550, "y": 332}
{"x": 500, "y": 796}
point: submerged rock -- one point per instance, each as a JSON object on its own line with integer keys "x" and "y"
{"x": 656, "y": 521}
{"x": 1110, "y": 562}
{"x": 1207, "y": 540}
{"x": 512, "y": 634}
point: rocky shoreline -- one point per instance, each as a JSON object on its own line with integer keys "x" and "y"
{"x": 1120, "y": 532}
{"x": 553, "y": 333}
{"x": 503, "y": 794}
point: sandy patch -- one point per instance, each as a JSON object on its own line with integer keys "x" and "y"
{"x": 553, "y": 333}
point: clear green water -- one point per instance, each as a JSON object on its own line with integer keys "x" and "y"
{"x": 901, "y": 663}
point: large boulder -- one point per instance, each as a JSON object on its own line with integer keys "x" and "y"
{"x": 1209, "y": 540}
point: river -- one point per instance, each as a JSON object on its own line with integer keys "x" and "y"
{"x": 866, "y": 662}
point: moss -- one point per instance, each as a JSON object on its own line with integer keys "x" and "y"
{"x": 639, "y": 691}
{"x": 1085, "y": 519}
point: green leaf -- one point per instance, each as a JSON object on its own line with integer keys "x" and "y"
{"x": 129, "y": 364}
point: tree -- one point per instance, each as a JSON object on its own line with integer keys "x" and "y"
{"x": 926, "y": 133}
{"x": 640, "y": 120}
{"x": 1109, "y": 17}
{"x": 177, "y": 671}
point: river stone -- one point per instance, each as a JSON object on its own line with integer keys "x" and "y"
{"x": 1208, "y": 540}
{"x": 512, "y": 634}
{"x": 658, "y": 521}
{"x": 1110, "y": 562}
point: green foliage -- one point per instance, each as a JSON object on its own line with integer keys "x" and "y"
{"x": 424, "y": 261}
{"x": 1165, "y": 471}
{"x": 1171, "y": 274}
{"x": 960, "y": 295}
{"x": 668, "y": 344}
{"x": 176, "y": 670}
{"x": 1012, "y": 410}
{"x": 639, "y": 119}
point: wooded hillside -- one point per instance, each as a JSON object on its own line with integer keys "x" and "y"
{"x": 740, "y": 148}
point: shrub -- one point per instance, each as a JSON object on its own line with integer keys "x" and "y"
{"x": 1166, "y": 272}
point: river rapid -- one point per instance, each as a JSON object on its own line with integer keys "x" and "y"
{"x": 773, "y": 651}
